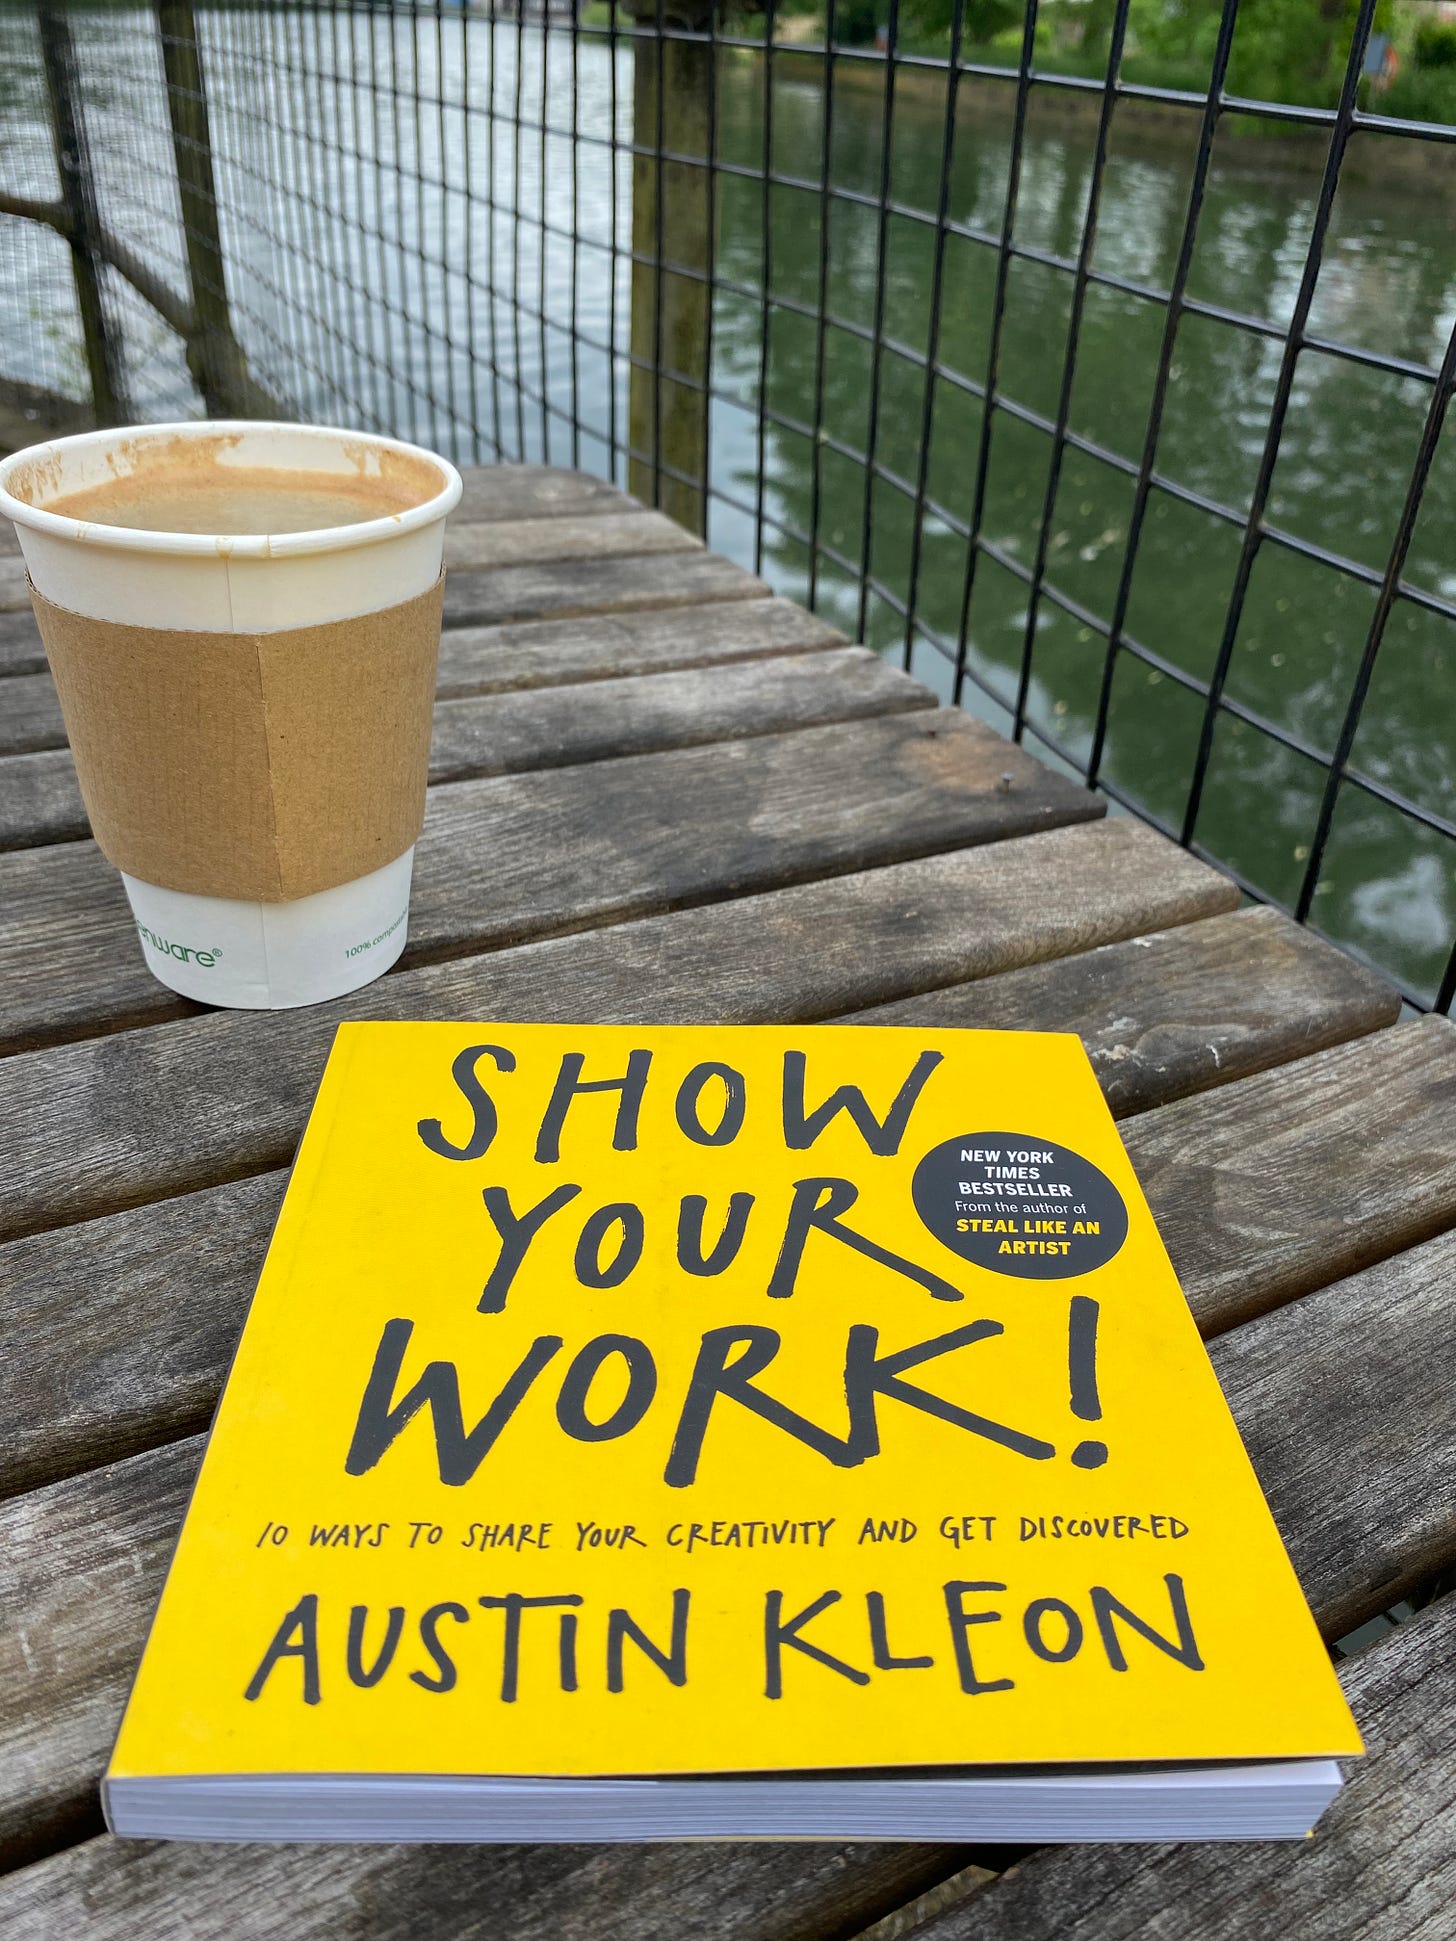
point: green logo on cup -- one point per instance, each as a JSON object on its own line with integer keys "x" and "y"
{"x": 184, "y": 953}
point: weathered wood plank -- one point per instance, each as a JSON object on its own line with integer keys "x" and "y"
{"x": 125, "y": 1536}
{"x": 142, "y": 1115}
{"x": 1175, "y": 1013}
{"x": 1309, "y": 1171}
{"x": 538, "y": 653}
{"x": 557, "y": 589}
{"x": 551, "y": 653}
{"x": 147, "y": 1365}
{"x": 512, "y": 733}
{"x": 148, "y": 1362}
{"x": 539, "y": 542}
{"x": 520, "y": 856}
{"x": 30, "y": 715}
{"x": 59, "y": 1546}
{"x": 150, "y": 1359}
{"x": 733, "y": 1891}
{"x": 1344, "y": 1399}
{"x": 534, "y": 492}
{"x": 40, "y": 799}
{"x": 13, "y": 594}
{"x": 20, "y": 648}
{"x": 577, "y": 586}
{"x": 1381, "y": 1865}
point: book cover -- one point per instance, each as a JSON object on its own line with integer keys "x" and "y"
{"x": 633, "y": 1401}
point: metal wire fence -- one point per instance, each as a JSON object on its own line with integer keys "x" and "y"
{"x": 1113, "y": 409}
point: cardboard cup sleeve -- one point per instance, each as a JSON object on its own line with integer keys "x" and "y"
{"x": 262, "y": 767}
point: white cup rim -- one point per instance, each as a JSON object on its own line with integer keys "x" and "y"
{"x": 133, "y": 539}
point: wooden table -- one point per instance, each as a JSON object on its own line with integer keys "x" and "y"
{"x": 660, "y": 793}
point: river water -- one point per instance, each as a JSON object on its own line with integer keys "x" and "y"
{"x": 373, "y": 259}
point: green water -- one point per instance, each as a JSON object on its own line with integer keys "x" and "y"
{"x": 1389, "y": 283}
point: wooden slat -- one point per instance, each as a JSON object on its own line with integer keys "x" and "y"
{"x": 538, "y": 542}
{"x": 503, "y": 860}
{"x": 123, "y": 1120}
{"x": 99, "y": 1613}
{"x": 150, "y": 1359}
{"x": 147, "y": 1365}
{"x": 538, "y": 653}
{"x": 553, "y": 653}
{"x": 1176, "y": 1013}
{"x": 512, "y": 733}
{"x": 569, "y": 587}
{"x": 732, "y": 1891}
{"x": 59, "y": 1546}
{"x": 557, "y": 589}
{"x": 1307, "y": 1172}
{"x": 40, "y": 802}
{"x": 1381, "y": 1865}
{"x": 534, "y": 492}
{"x": 1345, "y": 1402}
{"x": 30, "y": 715}
{"x": 143, "y": 1115}
{"x": 20, "y": 648}
{"x": 13, "y": 595}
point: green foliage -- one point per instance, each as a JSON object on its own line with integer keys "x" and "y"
{"x": 983, "y": 19}
{"x": 1435, "y": 44}
{"x": 1420, "y": 94}
{"x": 1283, "y": 50}
{"x": 1176, "y": 32}
{"x": 855, "y": 22}
{"x": 1291, "y": 50}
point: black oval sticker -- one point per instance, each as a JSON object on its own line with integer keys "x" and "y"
{"x": 1020, "y": 1205}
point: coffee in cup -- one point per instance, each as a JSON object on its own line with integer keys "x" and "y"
{"x": 243, "y": 621}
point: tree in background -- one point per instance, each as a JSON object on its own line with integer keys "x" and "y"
{"x": 1293, "y": 50}
{"x": 982, "y": 20}
{"x": 1435, "y": 44}
{"x": 1283, "y": 50}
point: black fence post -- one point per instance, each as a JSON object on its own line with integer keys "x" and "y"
{"x": 78, "y": 196}
{"x": 672, "y": 254}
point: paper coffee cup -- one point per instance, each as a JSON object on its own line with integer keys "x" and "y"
{"x": 224, "y": 949}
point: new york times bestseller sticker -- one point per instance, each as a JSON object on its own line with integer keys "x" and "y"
{"x": 1019, "y": 1205}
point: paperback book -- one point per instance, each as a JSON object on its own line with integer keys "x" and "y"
{"x": 688, "y": 1432}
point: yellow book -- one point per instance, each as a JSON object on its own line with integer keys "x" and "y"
{"x": 722, "y": 1431}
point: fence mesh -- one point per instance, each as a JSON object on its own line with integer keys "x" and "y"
{"x": 1113, "y": 409}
